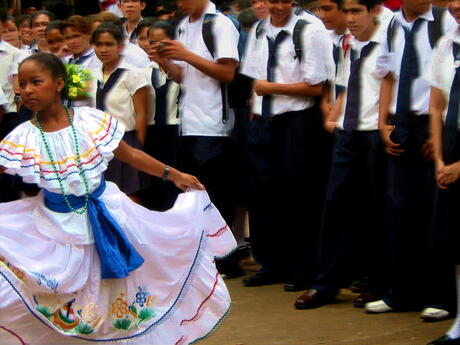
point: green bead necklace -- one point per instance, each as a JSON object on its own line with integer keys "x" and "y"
{"x": 79, "y": 165}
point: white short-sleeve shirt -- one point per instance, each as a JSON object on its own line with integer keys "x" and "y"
{"x": 119, "y": 102}
{"x": 201, "y": 108}
{"x": 370, "y": 80}
{"x": 313, "y": 69}
{"x": 443, "y": 66}
{"x": 8, "y": 68}
{"x": 390, "y": 61}
{"x": 171, "y": 97}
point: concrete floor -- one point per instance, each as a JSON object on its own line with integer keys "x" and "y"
{"x": 266, "y": 316}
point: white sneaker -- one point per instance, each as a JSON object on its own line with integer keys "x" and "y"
{"x": 434, "y": 314}
{"x": 377, "y": 307}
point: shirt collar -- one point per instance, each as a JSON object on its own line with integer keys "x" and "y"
{"x": 88, "y": 52}
{"x": 289, "y": 27}
{"x": 428, "y": 16}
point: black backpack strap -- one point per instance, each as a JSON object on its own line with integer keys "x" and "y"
{"x": 260, "y": 28}
{"x": 435, "y": 26}
{"x": 297, "y": 38}
{"x": 206, "y": 31}
{"x": 391, "y": 32}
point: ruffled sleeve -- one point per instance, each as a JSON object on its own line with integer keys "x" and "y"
{"x": 20, "y": 152}
{"x": 104, "y": 129}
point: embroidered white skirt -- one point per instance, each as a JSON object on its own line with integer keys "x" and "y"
{"x": 50, "y": 286}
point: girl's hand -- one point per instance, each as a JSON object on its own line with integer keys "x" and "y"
{"x": 391, "y": 147}
{"x": 184, "y": 181}
{"x": 449, "y": 174}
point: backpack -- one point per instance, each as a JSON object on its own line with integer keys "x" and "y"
{"x": 434, "y": 27}
{"x": 239, "y": 90}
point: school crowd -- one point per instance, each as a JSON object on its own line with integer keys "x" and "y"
{"x": 336, "y": 131}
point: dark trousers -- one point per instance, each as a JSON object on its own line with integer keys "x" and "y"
{"x": 445, "y": 235}
{"x": 352, "y": 230}
{"x": 286, "y": 164}
{"x": 161, "y": 143}
{"x": 410, "y": 193}
{"x": 208, "y": 159}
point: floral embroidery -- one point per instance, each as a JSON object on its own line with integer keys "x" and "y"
{"x": 120, "y": 307}
{"x": 129, "y": 317}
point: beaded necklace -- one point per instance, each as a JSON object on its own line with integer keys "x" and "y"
{"x": 79, "y": 165}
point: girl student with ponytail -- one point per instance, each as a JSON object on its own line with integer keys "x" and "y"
{"x": 81, "y": 262}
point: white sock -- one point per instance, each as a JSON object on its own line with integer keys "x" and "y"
{"x": 454, "y": 331}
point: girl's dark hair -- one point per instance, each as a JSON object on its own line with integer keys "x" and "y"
{"x": 50, "y": 15}
{"x": 144, "y": 23}
{"x": 165, "y": 26}
{"x": 54, "y": 25}
{"x": 11, "y": 19}
{"x": 51, "y": 63}
{"x": 22, "y": 19}
{"x": 108, "y": 27}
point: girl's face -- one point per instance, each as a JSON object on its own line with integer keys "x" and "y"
{"x": 25, "y": 32}
{"x": 38, "y": 88}
{"x": 143, "y": 39}
{"x": 107, "y": 48}
{"x": 77, "y": 41}
{"x": 156, "y": 36}
{"x": 10, "y": 34}
{"x": 38, "y": 27}
{"x": 56, "y": 43}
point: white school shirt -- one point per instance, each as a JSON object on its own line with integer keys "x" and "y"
{"x": 119, "y": 102}
{"x": 172, "y": 96}
{"x": 314, "y": 68}
{"x": 3, "y": 100}
{"x": 391, "y": 61}
{"x": 337, "y": 70}
{"x": 8, "y": 68}
{"x": 201, "y": 101}
{"x": 370, "y": 80}
{"x": 135, "y": 55}
{"x": 442, "y": 70}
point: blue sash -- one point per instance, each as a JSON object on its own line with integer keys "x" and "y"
{"x": 117, "y": 255}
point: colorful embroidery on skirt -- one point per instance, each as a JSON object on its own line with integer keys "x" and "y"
{"x": 69, "y": 319}
{"x": 16, "y": 271}
{"x": 131, "y": 316}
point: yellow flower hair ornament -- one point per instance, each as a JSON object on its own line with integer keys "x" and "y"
{"x": 76, "y": 84}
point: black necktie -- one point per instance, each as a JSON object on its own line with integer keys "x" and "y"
{"x": 352, "y": 110}
{"x": 271, "y": 64}
{"x": 451, "y": 124}
{"x": 409, "y": 72}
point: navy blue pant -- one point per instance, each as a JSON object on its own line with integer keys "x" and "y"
{"x": 352, "y": 229}
{"x": 445, "y": 236}
{"x": 410, "y": 194}
{"x": 286, "y": 164}
{"x": 208, "y": 158}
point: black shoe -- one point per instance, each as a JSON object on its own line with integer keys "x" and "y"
{"x": 445, "y": 340}
{"x": 261, "y": 278}
{"x": 296, "y": 286}
{"x": 229, "y": 267}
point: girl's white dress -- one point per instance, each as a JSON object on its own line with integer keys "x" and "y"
{"x": 51, "y": 291}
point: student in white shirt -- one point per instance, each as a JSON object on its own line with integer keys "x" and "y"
{"x": 131, "y": 10}
{"x": 355, "y": 193}
{"x": 406, "y": 48}
{"x": 25, "y": 31}
{"x": 162, "y": 132}
{"x": 444, "y": 76}
{"x": 122, "y": 92}
{"x": 206, "y": 119}
{"x": 39, "y": 22}
{"x": 284, "y": 134}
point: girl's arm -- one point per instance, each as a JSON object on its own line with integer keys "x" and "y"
{"x": 438, "y": 103}
{"x": 143, "y": 162}
{"x": 141, "y": 107}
